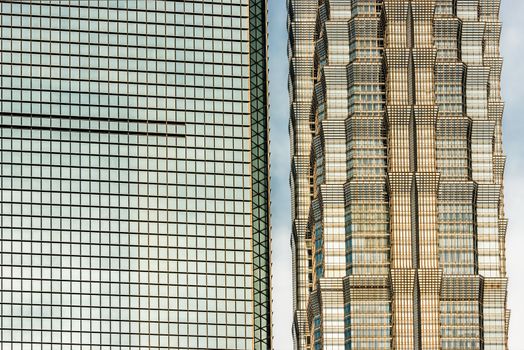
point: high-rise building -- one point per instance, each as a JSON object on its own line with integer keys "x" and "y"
{"x": 134, "y": 175}
{"x": 397, "y": 175}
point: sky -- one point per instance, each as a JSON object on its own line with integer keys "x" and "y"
{"x": 512, "y": 49}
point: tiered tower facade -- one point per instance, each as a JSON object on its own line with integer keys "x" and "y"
{"x": 301, "y": 29}
{"x": 402, "y": 242}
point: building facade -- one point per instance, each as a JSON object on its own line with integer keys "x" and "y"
{"x": 134, "y": 175}
{"x": 397, "y": 175}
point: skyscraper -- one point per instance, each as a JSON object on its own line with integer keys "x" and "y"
{"x": 397, "y": 174}
{"x": 134, "y": 175}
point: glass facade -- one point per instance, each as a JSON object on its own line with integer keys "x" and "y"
{"x": 134, "y": 175}
{"x": 397, "y": 175}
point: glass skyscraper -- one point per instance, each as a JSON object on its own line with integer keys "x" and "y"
{"x": 134, "y": 175}
{"x": 397, "y": 175}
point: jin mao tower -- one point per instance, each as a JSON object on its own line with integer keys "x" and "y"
{"x": 397, "y": 174}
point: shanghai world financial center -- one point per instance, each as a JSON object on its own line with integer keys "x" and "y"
{"x": 134, "y": 175}
{"x": 134, "y": 184}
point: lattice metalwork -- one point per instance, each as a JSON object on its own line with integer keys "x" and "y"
{"x": 260, "y": 174}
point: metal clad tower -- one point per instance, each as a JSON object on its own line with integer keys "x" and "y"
{"x": 414, "y": 200}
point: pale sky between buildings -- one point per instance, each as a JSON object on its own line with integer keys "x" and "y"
{"x": 512, "y": 49}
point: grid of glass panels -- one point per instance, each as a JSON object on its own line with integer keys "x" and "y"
{"x": 125, "y": 187}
